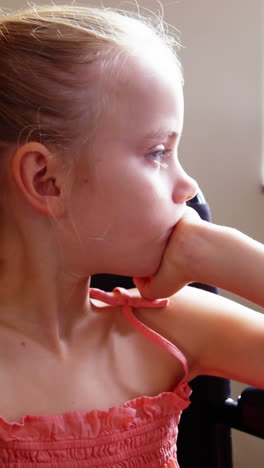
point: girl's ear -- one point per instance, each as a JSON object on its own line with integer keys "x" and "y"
{"x": 39, "y": 177}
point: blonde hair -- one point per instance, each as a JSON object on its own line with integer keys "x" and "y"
{"x": 50, "y": 57}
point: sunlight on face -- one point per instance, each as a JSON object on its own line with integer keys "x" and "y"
{"x": 126, "y": 211}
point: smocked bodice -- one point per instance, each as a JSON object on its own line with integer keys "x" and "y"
{"x": 140, "y": 433}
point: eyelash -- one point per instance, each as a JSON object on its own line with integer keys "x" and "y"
{"x": 163, "y": 155}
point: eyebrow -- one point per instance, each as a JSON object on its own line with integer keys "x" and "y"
{"x": 161, "y": 134}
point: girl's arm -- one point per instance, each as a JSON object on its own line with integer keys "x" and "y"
{"x": 218, "y": 336}
{"x": 207, "y": 253}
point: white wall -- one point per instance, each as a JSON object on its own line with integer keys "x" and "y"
{"x": 222, "y": 136}
{"x": 221, "y": 146}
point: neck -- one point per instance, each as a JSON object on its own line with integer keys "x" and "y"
{"x": 40, "y": 297}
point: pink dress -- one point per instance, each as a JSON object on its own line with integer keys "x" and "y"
{"x": 140, "y": 433}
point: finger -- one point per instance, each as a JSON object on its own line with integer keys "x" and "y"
{"x": 163, "y": 284}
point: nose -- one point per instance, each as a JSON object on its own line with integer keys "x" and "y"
{"x": 185, "y": 187}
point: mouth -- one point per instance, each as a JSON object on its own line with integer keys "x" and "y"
{"x": 166, "y": 235}
{"x": 170, "y": 231}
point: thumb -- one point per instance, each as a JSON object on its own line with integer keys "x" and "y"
{"x": 163, "y": 284}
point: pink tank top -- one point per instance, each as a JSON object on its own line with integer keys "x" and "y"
{"x": 140, "y": 433}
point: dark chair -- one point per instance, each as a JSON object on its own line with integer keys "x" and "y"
{"x": 205, "y": 430}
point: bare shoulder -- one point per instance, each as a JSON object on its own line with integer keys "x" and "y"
{"x": 218, "y": 336}
{"x": 173, "y": 323}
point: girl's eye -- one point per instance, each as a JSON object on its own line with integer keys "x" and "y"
{"x": 160, "y": 157}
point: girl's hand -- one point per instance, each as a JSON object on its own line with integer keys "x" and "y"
{"x": 210, "y": 254}
{"x": 178, "y": 265}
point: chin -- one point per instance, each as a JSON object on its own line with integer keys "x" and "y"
{"x": 147, "y": 268}
{"x": 143, "y": 269}
{"x": 135, "y": 264}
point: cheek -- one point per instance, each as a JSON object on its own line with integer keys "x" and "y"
{"x": 123, "y": 200}
{"x": 143, "y": 206}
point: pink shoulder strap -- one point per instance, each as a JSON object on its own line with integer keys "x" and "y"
{"x": 121, "y": 297}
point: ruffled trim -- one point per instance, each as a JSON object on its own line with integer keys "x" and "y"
{"x": 97, "y": 423}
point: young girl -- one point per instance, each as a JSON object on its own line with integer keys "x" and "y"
{"x": 91, "y": 114}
